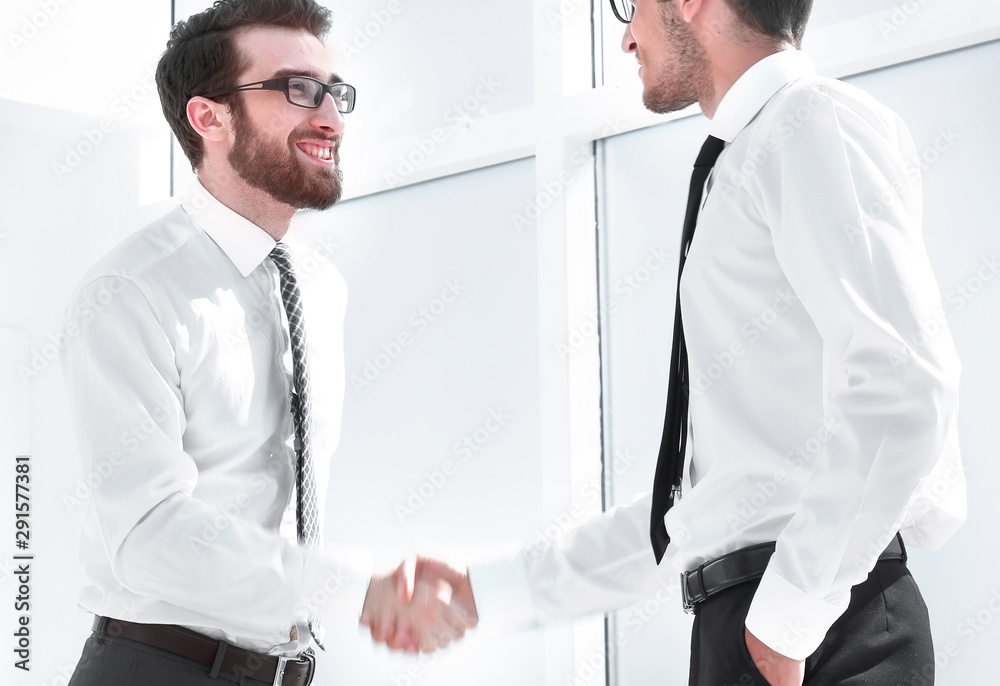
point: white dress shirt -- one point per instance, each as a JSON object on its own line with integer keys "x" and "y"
{"x": 179, "y": 370}
{"x": 824, "y": 381}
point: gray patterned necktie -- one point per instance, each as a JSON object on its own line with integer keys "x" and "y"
{"x": 306, "y": 507}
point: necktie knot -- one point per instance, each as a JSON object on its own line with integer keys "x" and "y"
{"x": 710, "y": 151}
{"x": 282, "y": 258}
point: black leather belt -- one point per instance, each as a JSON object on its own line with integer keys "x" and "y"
{"x": 217, "y": 655}
{"x": 746, "y": 564}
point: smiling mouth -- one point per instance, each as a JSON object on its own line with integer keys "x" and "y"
{"x": 320, "y": 152}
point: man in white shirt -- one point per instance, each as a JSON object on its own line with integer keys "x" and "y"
{"x": 829, "y": 426}
{"x": 206, "y": 375}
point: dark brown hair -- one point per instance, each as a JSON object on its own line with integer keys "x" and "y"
{"x": 779, "y": 20}
{"x": 202, "y": 55}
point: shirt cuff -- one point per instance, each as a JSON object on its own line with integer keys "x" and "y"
{"x": 789, "y": 620}
{"x": 503, "y": 596}
{"x": 334, "y": 590}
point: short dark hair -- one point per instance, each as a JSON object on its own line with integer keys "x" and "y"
{"x": 202, "y": 55}
{"x": 781, "y": 20}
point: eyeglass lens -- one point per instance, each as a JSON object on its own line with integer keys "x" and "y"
{"x": 623, "y": 9}
{"x": 309, "y": 93}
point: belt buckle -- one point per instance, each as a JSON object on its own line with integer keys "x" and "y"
{"x": 700, "y": 596}
{"x": 279, "y": 673}
{"x": 685, "y": 595}
{"x": 309, "y": 657}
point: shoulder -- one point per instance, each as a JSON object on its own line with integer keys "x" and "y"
{"x": 152, "y": 247}
{"x": 148, "y": 268}
{"x": 825, "y": 106}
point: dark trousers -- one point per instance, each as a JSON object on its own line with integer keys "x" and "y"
{"x": 883, "y": 639}
{"x": 113, "y": 661}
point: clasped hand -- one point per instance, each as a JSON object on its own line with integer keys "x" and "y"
{"x": 421, "y": 606}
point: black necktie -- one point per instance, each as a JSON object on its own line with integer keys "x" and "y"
{"x": 670, "y": 462}
{"x": 306, "y": 507}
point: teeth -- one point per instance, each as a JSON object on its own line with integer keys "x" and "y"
{"x": 320, "y": 152}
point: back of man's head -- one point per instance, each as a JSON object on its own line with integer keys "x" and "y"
{"x": 775, "y": 20}
{"x": 202, "y": 55}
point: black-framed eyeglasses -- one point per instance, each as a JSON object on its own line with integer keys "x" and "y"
{"x": 302, "y": 91}
{"x": 623, "y": 9}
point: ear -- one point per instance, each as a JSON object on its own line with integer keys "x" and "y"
{"x": 209, "y": 118}
{"x": 689, "y": 8}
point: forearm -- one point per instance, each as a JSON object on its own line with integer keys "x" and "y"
{"x": 199, "y": 557}
{"x": 604, "y": 564}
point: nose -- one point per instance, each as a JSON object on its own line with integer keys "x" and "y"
{"x": 628, "y": 42}
{"x": 328, "y": 117}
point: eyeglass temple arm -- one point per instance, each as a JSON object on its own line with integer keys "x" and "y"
{"x": 256, "y": 86}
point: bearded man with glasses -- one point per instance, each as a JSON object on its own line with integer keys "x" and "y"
{"x": 208, "y": 389}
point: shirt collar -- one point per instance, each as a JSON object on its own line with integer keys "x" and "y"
{"x": 757, "y": 85}
{"x": 246, "y": 244}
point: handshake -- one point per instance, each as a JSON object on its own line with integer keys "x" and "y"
{"x": 421, "y": 606}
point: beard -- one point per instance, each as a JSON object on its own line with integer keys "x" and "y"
{"x": 274, "y": 168}
{"x": 683, "y": 75}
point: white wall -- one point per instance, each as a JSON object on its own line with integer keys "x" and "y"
{"x": 54, "y": 226}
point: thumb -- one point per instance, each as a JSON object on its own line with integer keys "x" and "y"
{"x": 405, "y": 580}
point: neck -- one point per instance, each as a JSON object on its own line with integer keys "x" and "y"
{"x": 253, "y": 204}
{"x": 728, "y": 62}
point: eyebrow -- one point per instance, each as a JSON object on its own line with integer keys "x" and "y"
{"x": 319, "y": 76}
